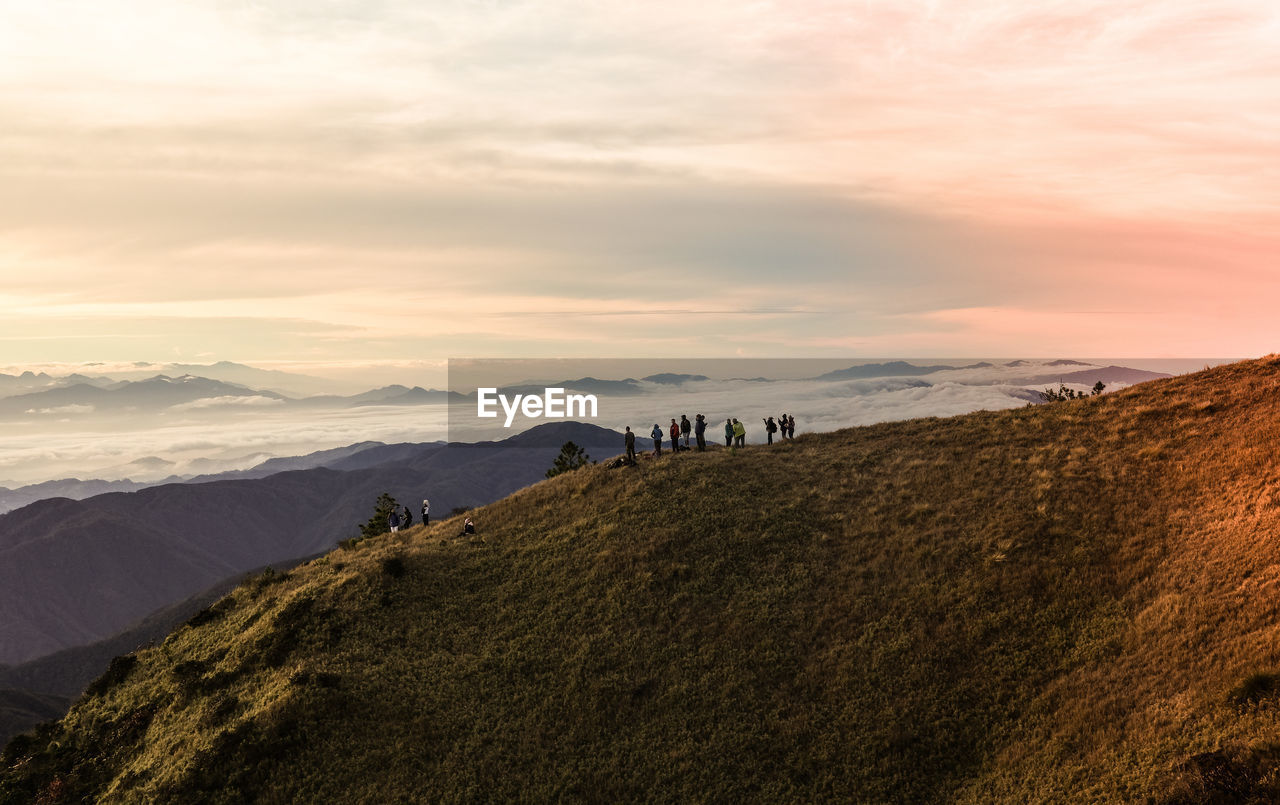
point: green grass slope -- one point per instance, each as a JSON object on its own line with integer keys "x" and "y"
{"x": 1069, "y": 603}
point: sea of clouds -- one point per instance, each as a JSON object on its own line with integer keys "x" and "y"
{"x": 220, "y": 434}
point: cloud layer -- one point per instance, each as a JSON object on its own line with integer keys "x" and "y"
{"x": 384, "y": 181}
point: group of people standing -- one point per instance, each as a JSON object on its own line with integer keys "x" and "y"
{"x": 735, "y": 433}
{"x": 397, "y": 519}
{"x": 786, "y": 426}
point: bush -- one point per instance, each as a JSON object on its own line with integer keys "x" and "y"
{"x": 117, "y": 672}
{"x": 377, "y": 524}
{"x": 1256, "y": 687}
{"x": 393, "y": 566}
{"x": 571, "y": 458}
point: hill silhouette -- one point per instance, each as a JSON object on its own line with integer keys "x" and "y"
{"x": 74, "y": 572}
{"x": 1072, "y": 602}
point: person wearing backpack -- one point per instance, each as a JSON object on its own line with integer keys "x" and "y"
{"x": 656, "y": 435}
{"x": 739, "y": 434}
{"x": 700, "y": 432}
{"x": 791, "y": 427}
{"x": 408, "y": 517}
{"x": 685, "y": 429}
{"x": 770, "y": 428}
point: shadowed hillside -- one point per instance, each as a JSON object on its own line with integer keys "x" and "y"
{"x": 74, "y": 572}
{"x": 1073, "y": 602}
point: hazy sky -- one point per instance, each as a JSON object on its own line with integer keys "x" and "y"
{"x": 310, "y": 184}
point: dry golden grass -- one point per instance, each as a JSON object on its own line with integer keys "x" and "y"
{"x": 1069, "y": 603}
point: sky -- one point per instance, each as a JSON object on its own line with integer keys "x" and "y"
{"x": 318, "y": 186}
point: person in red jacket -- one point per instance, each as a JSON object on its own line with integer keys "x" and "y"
{"x": 675, "y": 436}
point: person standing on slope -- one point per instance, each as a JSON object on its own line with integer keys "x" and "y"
{"x": 791, "y": 427}
{"x": 393, "y": 520}
{"x": 675, "y": 437}
{"x": 426, "y": 512}
{"x": 685, "y": 428}
{"x": 739, "y": 434}
{"x": 408, "y": 517}
{"x": 656, "y": 435}
{"x": 770, "y": 428}
{"x": 700, "y": 432}
{"x": 728, "y": 433}
{"x": 629, "y": 439}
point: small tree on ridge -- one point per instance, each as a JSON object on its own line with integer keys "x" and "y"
{"x": 377, "y": 524}
{"x": 571, "y": 458}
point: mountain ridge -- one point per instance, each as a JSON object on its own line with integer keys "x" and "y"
{"x": 1066, "y": 602}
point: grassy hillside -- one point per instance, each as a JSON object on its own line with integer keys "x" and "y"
{"x": 1068, "y": 603}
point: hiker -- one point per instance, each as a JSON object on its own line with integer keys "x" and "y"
{"x": 728, "y": 433}
{"x": 700, "y": 431}
{"x": 468, "y": 528}
{"x": 770, "y": 428}
{"x": 739, "y": 433}
{"x": 791, "y": 427}
{"x": 408, "y": 517}
{"x": 675, "y": 437}
{"x": 426, "y": 512}
{"x": 393, "y": 521}
{"x": 629, "y": 439}
{"x": 685, "y": 428}
{"x": 656, "y": 435}
{"x": 782, "y": 426}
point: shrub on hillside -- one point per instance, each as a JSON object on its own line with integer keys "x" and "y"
{"x": 1256, "y": 687}
{"x": 116, "y": 673}
{"x": 393, "y": 566}
{"x": 377, "y": 524}
{"x": 571, "y": 458}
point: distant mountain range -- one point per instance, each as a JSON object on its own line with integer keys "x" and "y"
{"x": 76, "y": 489}
{"x": 187, "y": 392}
{"x": 891, "y": 369}
{"x": 1039, "y": 372}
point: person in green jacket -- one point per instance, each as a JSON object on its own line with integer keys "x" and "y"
{"x": 728, "y": 433}
{"x": 739, "y": 434}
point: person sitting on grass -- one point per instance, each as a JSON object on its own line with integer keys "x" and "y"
{"x": 468, "y": 528}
